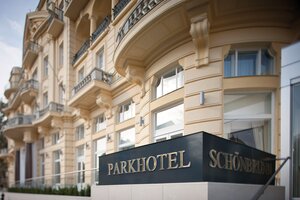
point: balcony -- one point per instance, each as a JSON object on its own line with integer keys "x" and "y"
{"x": 119, "y": 7}
{"x": 31, "y": 51}
{"x": 44, "y": 116}
{"x": 82, "y": 50}
{"x": 84, "y": 94}
{"x": 10, "y": 88}
{"x": 101, "y": 28}
{"x": 147, "y": 34}
{"x": 73, "y": 8}
{"x": 15, "y": 77}
{"x": 29, "y": 90}
{"x": 56, "y": 23}
{"x": 15, "y": 127}
{"x": 14, "y": 102}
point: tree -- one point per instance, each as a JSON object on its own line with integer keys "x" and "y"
{"x": 3, "y": 145}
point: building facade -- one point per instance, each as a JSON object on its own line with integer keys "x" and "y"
{"x": 100, "y": 76}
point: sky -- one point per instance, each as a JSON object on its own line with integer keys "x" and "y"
{"x": 12, "y": 20}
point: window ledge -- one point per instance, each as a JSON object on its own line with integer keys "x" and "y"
{"x": 167, "y": 99}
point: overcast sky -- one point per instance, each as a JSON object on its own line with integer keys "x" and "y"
{"x": 12, "y": 20}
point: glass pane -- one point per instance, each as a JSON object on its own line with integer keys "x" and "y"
{"x": 296, "y": 139}
{"x": 254, "y": 133}
{"x": 229, "y": 65}
{"x": 169, "y": 82}
{"x": 159, "y": 88}
{"x": 127, "y": 139}
{"x": 100, "y": 60}
{"x": 267, "y": 63}
{"x": 247, "y": 104}
{"x": 247, "y": 63}
{"x": 169, "y": 121}
{"x": 180, "y": 77}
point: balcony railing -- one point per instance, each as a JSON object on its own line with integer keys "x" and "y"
{"x": 52, "y": 107}
{"x": 95, "y": 74}
{"x": 101, "y": 28}
{"x": 30, "y": 84}
{"x": 20, "y": 120}
{"x": 119, "y": 7}
{"x": 55, "y": 12}
{"x": 67, "y": 2}
{"x": 82, "y": 50}
{"x": 32, "y": 46}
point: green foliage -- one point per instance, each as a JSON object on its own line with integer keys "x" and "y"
{"x": 70, "y": 191}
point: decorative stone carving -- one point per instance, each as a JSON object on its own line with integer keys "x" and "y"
{"x": 135, "y": 74}
{"x": 85, "y": 115}
{"x": 57, "y": 123}
{"x": 43, "y": 130}
{"x": 200, "y": 34}
{"x": 105, "y": 100}
{"x": 29, "y": 137}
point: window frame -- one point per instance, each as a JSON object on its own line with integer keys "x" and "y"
{"x": 169, "y": 134}
{"x": 125, "y": 146}
{"x": 96, "y": 154}
{"x": 160, "y": 79}
{"x": 45, "y": 99}
{"x": 270, "y": 116}
{"x": 99, "y": 126}
{"x": 122, "y": 111}
{"x": 98, "y": 53}
{"x": 57, "y": 176}
{"x": 79, "y": 74}
{"x": 80, "y": 133}
{"x": 55, "y": 138}
{"x": 46, "y": 66}
{"x": 258, "y": 66}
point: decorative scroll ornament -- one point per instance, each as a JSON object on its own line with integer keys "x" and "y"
{"x": 200, "y": 34}
{"x": 105, "y": 100}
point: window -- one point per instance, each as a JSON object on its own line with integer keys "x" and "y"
{"x": 55, "y": 138}
{"x": 45, "y": 99}
{"x": 100, "y": 59}
{"x": 248, "y": 63}
{"x": 42, "y": 169}
{"x": 169, "y": 123}
{"x": 248, "y": 119}
{"x": 99, "y": 123}
{"x": 56, "y": 161}
{"x": 169, "y": 81}
{"x": 61, "y": 93}
{"x": 80, "y": 166}
{"x": 80, "y": 132}
{"x": 295, "y": 133}
{"x": 46, "y": 66}
{"x": 35, "y": 75}
{"x": 127, "y": 111}
{"x": 126, "y": 139}
{"x": 80, "y": 74}
{"x": 61, "y": 54}
{"x": 99, "y": 150}
{"x": 42, "y": 143}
